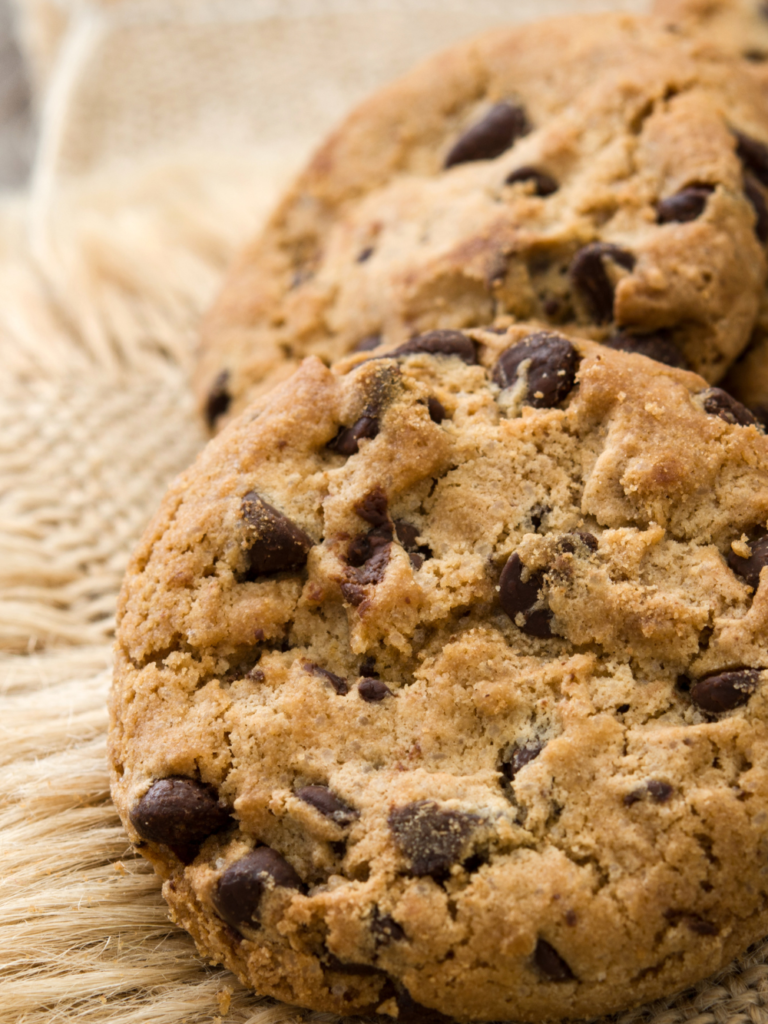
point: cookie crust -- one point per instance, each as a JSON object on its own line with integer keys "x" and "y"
{"x": 502, "y": 741}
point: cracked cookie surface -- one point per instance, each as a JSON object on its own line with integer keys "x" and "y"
{"x": 441, "y": 681}
{"x": 596, "y": 174}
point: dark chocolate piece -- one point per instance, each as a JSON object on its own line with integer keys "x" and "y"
{"x": 275, "y": 544}
{"x": 493, "y": 135}
{"x": 240, "y": 889}
{"x": 432, "y": 839}
{"x": 552, "y": 363}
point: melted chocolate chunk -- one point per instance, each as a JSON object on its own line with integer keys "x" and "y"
{"x": 339, "y": 684}
{"x": 754, "y": 195}
{"x": 373, "y": 507}
{"x": 432, "y": 839}
{"x": 552, "y": 364}
{"x": 353, "y": 593}
{"x": 385, "y": 929}
{"x": 544, "y": 184}
{"x": 240, "y": 889}
{"x": 515, "y": 595}
{"x": 749, "y": 568}
{"x": 753, "y": 155}
{"x": 653, "y": 346}
{"x": 550, "y": 963}
{"x": 366, "y": 344}
{"x": 347, "y": 441}
{"x": 437, "y": 411}
{"x": 373, "y": 690}
{"x": 439, "y": 343}
{"x": 660, "y": 792}
{"x": 219, "y": 399}
{"x": 719, "y": 403}
{"x": 275, "y": 544}
{"x": 687, "y": 204}
{"x": 724, "y": 691}
{"x": 373, "y": 571}
{"x": 179, "y": 812}
{"x": 591, "y": 280}
{"x": 493, "y": 135}
{"x": 323, "y": 800}
{"x": 518, "y": 757}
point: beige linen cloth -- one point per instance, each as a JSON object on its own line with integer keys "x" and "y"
{"x": 166, "y": 130}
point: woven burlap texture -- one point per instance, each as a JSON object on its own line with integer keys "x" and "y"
{"x": 142, "y": 192}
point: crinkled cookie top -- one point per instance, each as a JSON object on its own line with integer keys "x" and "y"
{"x": 603, "y": 175}
{"x": 441, "y": 682}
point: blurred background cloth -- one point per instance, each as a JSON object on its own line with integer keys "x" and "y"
{"x": 164, "y": 130}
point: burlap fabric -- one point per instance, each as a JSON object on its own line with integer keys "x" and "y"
{"x": 166, "y": 129}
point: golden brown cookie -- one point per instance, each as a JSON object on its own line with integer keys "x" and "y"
{"x": 442, "y": 681}
{"x": 593, "y": 173}
{"x": 739, "y": 27}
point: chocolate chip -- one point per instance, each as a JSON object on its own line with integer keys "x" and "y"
{"x": 622, "y": 709}
{"x": 179, "y": 812}
{"x": 578, "y": 538}
{"x": 372, "y": 571}
{"x": 538, "y": 623}
{"x": 515, "y": 595}
{"x": 385, "y": 929}
{"x": 591, "y": 281}
{"x": 347, "y": 441}
{"x": 754, "y": 56}
{"x": 363, "y": 547}
{"x": 549, "y": 962}
{"x": 724, "y": 691}
{"x": 219, "y": 399}
{"x": 240, "y": 889}
{"x": 544, "y": 184}
{"x": 372, "y": 507}
{"x": 754, "y": 155}
{"x": 373, "y": 690}
{"x": 518, "y": 757}
{"x": 407, "y": 533}
{"x": 754, "y": 195}
{"x": 719, "y": 403}
{"x": 634, "y": 796}
{"x": 685, "y": 205}
{"x": 436, "y": 408}
{"x": 339, "y": 684}
{"x": 749, "y": 568}
{"x": 352, "y": 593}
{"x": 366, "y": 344}
{"x": 329, "y": 805}
{"x": 653, "y": 346}
{"x": 411, "y": 1012}
{"x": 275, "y": 544}
{"x": 365, "y": 254}
{"x": 552, "y": 364}
{"x": 368, "y": 667}
{"x": 490, "y": 137}
{"x": 416, "y": 559}
{"x": 660, "y": 792}
{"x": 440, "y": 343}
{"x": 432, "y": 839}
{"x": 694, "y": 922}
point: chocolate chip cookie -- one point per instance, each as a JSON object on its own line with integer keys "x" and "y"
{"x": 739, "y": 27}
{"x": 596, "y": 174}
{"x": 442, "y": 683}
